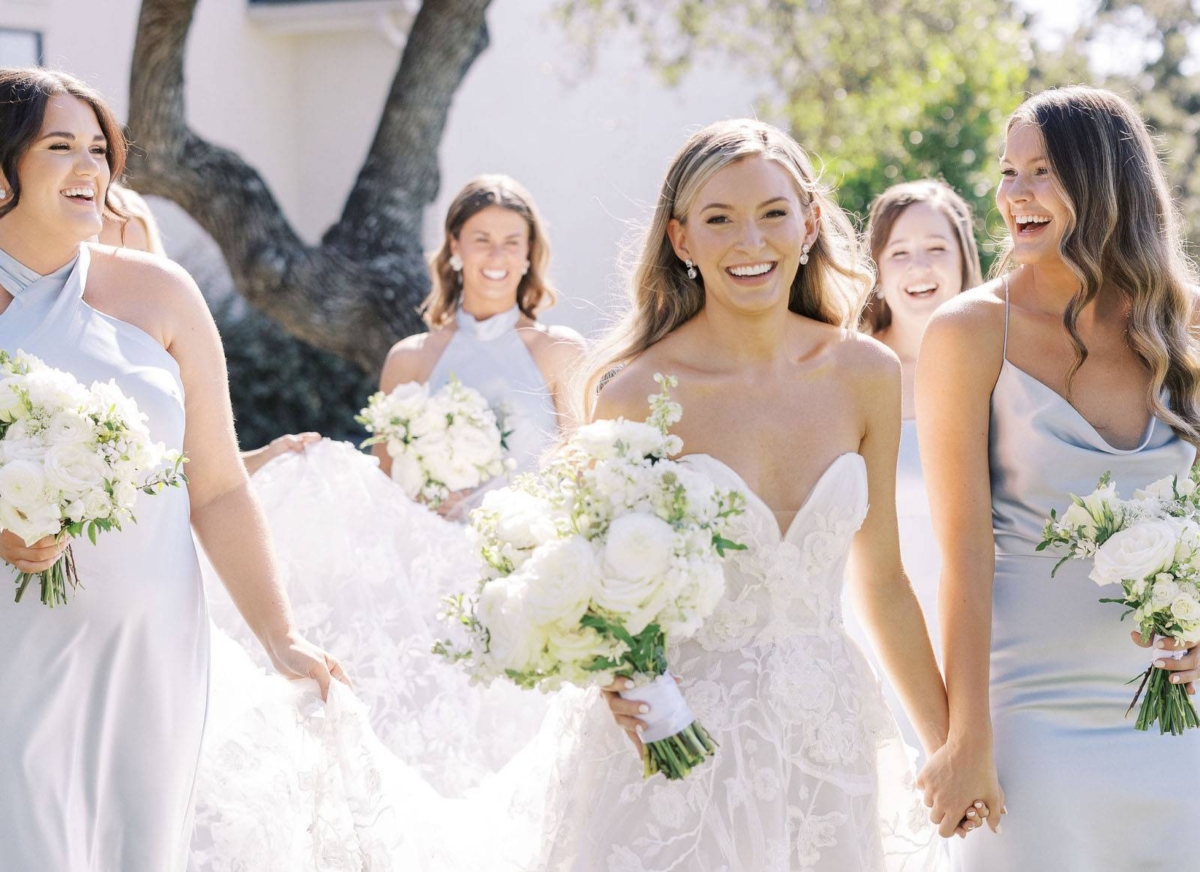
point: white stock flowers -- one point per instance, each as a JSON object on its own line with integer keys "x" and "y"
{"x": 72, "y": 461}
{"x": 1149, "y": 546}
{"x": 592, "y": 564}
{"x": 441, "y": 442}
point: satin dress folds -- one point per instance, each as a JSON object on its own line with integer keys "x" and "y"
{"x": 105, "y": 698}
{"x": 1085, "y": 791}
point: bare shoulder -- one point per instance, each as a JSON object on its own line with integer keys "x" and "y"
{"x": 626, "y": 394}
{"x": 152, "y": 292}
{"x": 978, "y": 312}
{"x": 413, "y": 358}
{"x": 138, "y": 272}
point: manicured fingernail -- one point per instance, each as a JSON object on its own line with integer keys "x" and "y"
{"x": 643, "y": 708}
{"x": 640, "y": 727}
{"x": 1174, "y": 679}
{"x": 1160, "y": 663}
{"x": 970, "y": 814}
{"x": 970, "y": 827}
{"x": 1160, "y": 644}
{"x": 628, "y": 684}
{"x": 979, "y": 803}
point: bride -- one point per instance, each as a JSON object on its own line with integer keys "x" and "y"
{"x": 748, "y": 289}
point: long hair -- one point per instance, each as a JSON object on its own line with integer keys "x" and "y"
{"x": 24, "y": 94}
{"x": 533, "y": 293}
{"x": 1123, "y": 232}
{"x": 832, "y": 287}
{"x": 886, "y": 211}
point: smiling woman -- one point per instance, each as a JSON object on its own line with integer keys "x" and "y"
{"x": 105, "y": 698}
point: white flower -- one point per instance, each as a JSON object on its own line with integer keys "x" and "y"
{"x": 406, "y": 470}
{"x": 1079, "y": 519}
{"x": 68, "y": 427}
{"x": 125, "y": 494}
{"x": 577, "y": 646}
{"x": 604, "y": 439}
{"x": 1185, "y": 486}
{"x": 1136, "y": 552}
{"x": 97, "y": 505}
{"x": 12, "y": 406}
{"x": 1185, "y": 608}
{"x": 515, "y": 641}
{"x": 562, "y": 575}
{"x": 639, "y": 546}
{"x": 525, "y": 521}
{"x": 23, "y": 485}
{"x": 1163, "y": 489}
{"x": 32, "y": 524}
{"x": 1103, "y": 498}
{"x": 1164, "y": 592}
{"x": 74, "y": 469}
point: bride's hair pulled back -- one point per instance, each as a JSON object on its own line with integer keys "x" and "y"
{"x": 832, "y": 287}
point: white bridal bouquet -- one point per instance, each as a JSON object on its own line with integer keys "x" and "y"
{"x": 439, "y": 443}
{"x": 592, "y": 564}
{"x": 72, "y": 460}
{"x": 1148, "y": 546}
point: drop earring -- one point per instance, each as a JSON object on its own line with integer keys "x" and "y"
{"x": 804, "y": 256}
{"x": 691, "y": 269}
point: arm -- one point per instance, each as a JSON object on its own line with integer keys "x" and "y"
{"x": 257, "y": 458}
{"x": 226, "y": 517}
{"x": 880, "y": 590}
{"x": 954, "y": 389}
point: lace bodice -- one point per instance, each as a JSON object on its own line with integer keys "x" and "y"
{"x": 787, "y": 583}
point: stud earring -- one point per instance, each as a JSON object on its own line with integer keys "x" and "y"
{"x": 456, "y": 263}
{"x": 804, "y": 256}
{"x": 525, "y": 271}
{"x": 691, "y": 269}
{"x": 3, "y": 193}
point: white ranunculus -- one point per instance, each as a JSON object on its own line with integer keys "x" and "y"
{"x": 407, "y": 400}
{"x": 73, "y": 469}
{"x": 1163, "y": 489}
{"x": 1136, "y": 552}
{"x": 524, "y": 520}
{"x": 431, "y": 421}
{"x": 638, "y": 547}
{"x": 30, "y": 524}
{"x": 579, "y": 646}
{"x": 23, "y": 485}
{"x": 1079, "y": 519}
{"x": 1185, "y": 608}
{"x": 406, "y": 471}
{"x": 636, "y": 601}
{"x": 68, "y": 427}
{"x": 600, "y": 439}
{"x": 106, "y": 399}
{"x": 124, "y": 494}
{"x": 12, "y": 406}
{"x": 54, "y": 389}
{"x": 97, "y": 504}
{"x": 562, "y": 576}
{"x": 1164, "y": 592}
{"x": 1185, "y": 486}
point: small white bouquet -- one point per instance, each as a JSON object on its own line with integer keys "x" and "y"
{"x": 1148, "y": 546}
{"x": 592, "y": 564}
{"x": 72, "y": 460}
{"x": 440, "y": 443}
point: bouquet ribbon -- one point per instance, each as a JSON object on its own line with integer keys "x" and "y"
{"x": 1157, "y": 654}
{"x": 669, "y": 713}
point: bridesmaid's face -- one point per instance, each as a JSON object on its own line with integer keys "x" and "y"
{"x": 921, "y": 266}
{"x": 494, "y": 247}
{"x": 64, "y": 175}
{"x": 745, "y": 232}
{"x": 1028, "y": 198}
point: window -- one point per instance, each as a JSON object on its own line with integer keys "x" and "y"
{"x": 20, "y": 48}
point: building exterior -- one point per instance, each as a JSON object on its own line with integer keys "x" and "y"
{"x": 295, "y": 87}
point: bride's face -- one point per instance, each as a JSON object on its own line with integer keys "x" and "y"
{"x": 745, "y": 233}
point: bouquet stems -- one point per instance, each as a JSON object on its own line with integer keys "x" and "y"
{"x": 676, "y": 756}
{"x": 54, "y": 581}
{"x": 1165, "y": 704}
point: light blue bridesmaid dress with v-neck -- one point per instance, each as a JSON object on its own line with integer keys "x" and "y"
{"x": 1085, "y": 791}
{"x": 103, "y": 700}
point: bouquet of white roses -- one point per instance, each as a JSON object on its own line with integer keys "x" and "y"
{"x": 1149, "y": 546}
{"x": 72, "y": 460}
{"x": 439, "y": 443}
{"x": 592, "y": 564}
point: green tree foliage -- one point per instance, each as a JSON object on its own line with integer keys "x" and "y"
{"x": 882, "y": 91}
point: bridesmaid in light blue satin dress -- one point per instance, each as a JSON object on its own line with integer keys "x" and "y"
{"x": 922, "y": 241}
{"x": 1011, "y": 425}
{"x": 105, "y": 699}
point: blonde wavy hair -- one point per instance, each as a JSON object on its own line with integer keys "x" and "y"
{"x": 886, "y": 210}
{"x": 832, "y": 287}
{"x": 534, "y": 293}
{"x": 1124, "y": 233}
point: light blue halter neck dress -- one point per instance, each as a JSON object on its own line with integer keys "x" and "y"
{"x": 103, "y": 700}
{"x": 1086, "y": 792}
{"x": 491, "y": 357}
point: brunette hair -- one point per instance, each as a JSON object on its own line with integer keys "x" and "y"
{"x": 886, "y": 211}
{"x": 1123, "y": 232}
{"x": 533, "y": 293}
{"x": 24, "y": 95}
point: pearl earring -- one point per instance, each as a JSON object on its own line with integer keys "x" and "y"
{"x": 3, "y": 193}
{"x": 804, "y": 256}
{"x": 691, "y": 269}
{"x": 525, "y": 271}
{"x": 456, "y": 263}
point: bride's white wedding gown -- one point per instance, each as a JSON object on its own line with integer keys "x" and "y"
{"x": 810, "y": 772}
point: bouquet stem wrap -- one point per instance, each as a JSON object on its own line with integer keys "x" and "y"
{"x": 673, "y": 742}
